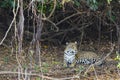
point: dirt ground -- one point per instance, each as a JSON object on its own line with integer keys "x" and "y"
{"x": 52, "y": 65}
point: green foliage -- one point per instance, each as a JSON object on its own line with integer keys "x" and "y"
{"x": 65, "y": 1}
{"x": 6, "y": 59}
{"x": 58, "y": 5}
{"x": 108, "y": 1}
{"x": 36, "y": 67}
{"x": 7, "y": 3}
{"x": 38, "y": 78}
{"x": 45, "y": 67}
{"x": 77, "y": 3}
{"x": 118, "y": 59}
{"x": 93, "y": 4}
{"x": 80, "y": 68}
{"x": 111, "y": 16}
{"x": 47, "y": 6}
{"x": 118, "y": 65}
{"x": 45, "y": 70}
{"x": 55, "y": 62}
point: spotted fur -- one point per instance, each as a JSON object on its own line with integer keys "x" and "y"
{"x": 87, "y": 57}
{"x": 72, "y": 56}
{"x": 69, "y": 54}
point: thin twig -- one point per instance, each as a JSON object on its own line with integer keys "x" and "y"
{"x": 57, "y": 29}
{"x": 96, "y": 63}
{"x": 52, "y": 9}
{"x": 36, "y": 74}
{"x": 69, "y": 17}
{"x": 14, "y": 18}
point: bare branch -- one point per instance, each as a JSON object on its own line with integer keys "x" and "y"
{"x": 14, "y": 18}
{"x": 52, "y": 9}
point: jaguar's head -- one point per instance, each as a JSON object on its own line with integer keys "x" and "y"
{"x": 71, "y": 48}
{"x": 70, "y": 52}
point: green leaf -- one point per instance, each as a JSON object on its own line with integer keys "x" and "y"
{"x": 112, "y": 18}
{"x": 38, "y": 78}
{"x": 108, "y": 1}
{"x": 94, "y": 1}
{"x": 77, "y": 3}
{"x": 118, "y": 65}
{"x": 7, "y": 3}
{"x": 93, "y": 4}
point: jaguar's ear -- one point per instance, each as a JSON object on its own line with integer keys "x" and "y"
{"x": 66, "y": 43}
{"x": 75, "y": 42}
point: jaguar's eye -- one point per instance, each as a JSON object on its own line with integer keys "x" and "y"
{"x": 72, "y": 51}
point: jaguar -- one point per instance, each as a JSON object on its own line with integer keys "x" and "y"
{"x": 73, "y": 56}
